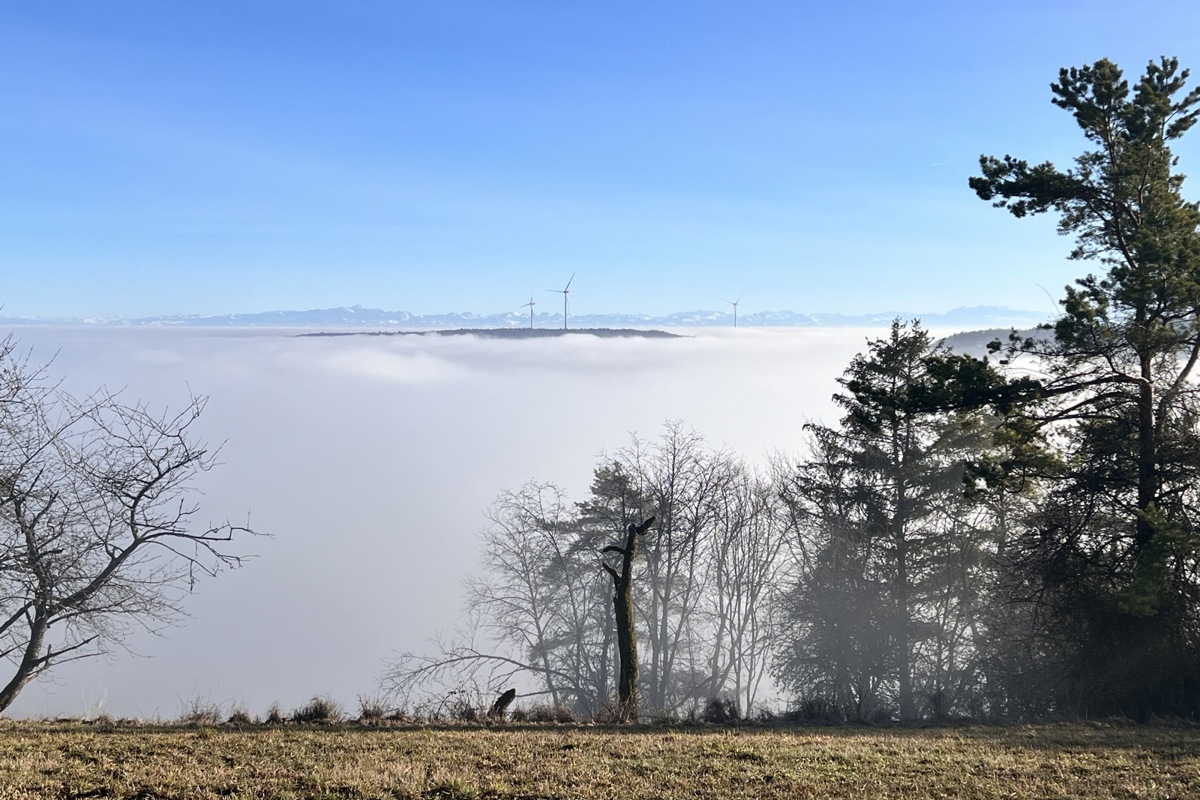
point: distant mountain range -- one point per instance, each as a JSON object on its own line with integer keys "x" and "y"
{"x": 357, "y": 317}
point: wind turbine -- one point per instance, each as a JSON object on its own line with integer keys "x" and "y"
{"x": 564, "y": 291}
{"x": 734, "y": 303}
{"x": 530, "y": 304}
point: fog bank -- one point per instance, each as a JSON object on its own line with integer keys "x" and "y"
{"x": 370, "y": 461}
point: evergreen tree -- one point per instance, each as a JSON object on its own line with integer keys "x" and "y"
{"x": 1114, "y": 547}
{"x": 874, "y": 608}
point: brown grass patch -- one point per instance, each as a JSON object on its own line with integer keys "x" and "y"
{"x": 1067, "y": 761}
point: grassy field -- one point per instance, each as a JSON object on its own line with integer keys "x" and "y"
{"x": 1069, "y": 761}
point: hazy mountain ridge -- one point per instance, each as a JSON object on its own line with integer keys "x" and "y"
{"x": 359, "y": 317}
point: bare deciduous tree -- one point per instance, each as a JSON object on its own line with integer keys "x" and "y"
{"x": 745, "y": 556}
{"x": 542, "y": 611}
{"x": 97, "y": 520}
{"x": 682, "y": 482}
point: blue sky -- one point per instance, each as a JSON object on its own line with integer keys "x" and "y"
{"x": 218, "y": 157}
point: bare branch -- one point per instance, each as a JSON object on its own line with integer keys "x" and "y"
{"x": 96, "y": 511}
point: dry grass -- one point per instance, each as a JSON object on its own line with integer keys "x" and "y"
{"x": 1065, "y": 761}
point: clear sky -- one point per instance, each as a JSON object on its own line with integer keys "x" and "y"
{"x": 217, "y": 157}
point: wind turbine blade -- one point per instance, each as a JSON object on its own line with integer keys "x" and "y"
{"x": 568, "y": 286}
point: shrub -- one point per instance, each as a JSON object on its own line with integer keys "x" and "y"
{"x": 240, "y": 716}
{"x": 609, "y": 714}
{"x": 816, "y": 708}
{"x": 275, "y": 715}
{"x": 721, "y": 712}
{"x": 320, "y": 710}
{"x": 462, "y": 711}
{"x": 545, "y": 713}
{"x": 102, "y": 721}
{"x": 198, "y": 713}
{"x": 372, "y": 710}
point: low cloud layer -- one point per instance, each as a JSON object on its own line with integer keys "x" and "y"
{"x": 370, "y": 461}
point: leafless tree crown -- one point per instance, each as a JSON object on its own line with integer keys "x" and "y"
{"x": 99, "y": 520}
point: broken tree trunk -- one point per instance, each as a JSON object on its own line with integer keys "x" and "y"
{"x": 627, "y": 698}
{"x": 500, "y": 707}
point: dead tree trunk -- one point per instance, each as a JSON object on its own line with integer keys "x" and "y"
{"x": 627, "y": 685}
{"x": 500, "y": 707}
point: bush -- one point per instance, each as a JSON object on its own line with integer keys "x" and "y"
{"x": 462, "y": 711}
{"x": 545, "y": 713}
{"x": 199, "y": 713}
{"x": 320, "y": 710}
{"x": 103, "y": 721}
{"x": 721, "y": 712}
{"x": 275, "y": 715}
{"x": 609, "y": 714}
{"x": 372, "y": 710}
{"x": 240, "y": 716}
{"x": 816, "y": 709}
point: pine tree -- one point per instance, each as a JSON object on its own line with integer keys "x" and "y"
{"x": 1116, "y": 545}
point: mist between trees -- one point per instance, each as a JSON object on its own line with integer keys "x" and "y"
{"x": 909, "y": 566}
{"x": 1012, "y": 538}
{"x": 868, "y": 581}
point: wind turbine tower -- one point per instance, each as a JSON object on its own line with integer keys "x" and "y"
{"x": 564, "y": 291}
{"x": 734, "y": 303}
{"x": 530, "y": 304}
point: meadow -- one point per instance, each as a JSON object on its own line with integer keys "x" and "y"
{"x": 1078, "y": 760}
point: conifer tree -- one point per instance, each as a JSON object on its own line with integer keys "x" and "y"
{"x": 1116, "y": 544}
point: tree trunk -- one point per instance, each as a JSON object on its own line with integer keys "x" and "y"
{"x": 1147, "y": 454}
{"x": 500, "y": 707}
{"x": 30, "y": 661}
{"x": 627, "y": 685}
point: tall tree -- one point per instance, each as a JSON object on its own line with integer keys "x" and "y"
{"x": 835, "y": 643}
{"x": 541, "y": 610}
{"x": 745, "y": 557}
{"x": 876, "y": 499}
{"x": 1117, "y": 546}
{"x": 682, "y": 483}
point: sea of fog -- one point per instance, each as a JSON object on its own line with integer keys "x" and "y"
{"x": 370, "y": 460}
